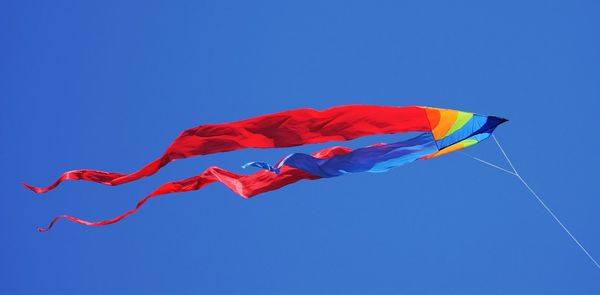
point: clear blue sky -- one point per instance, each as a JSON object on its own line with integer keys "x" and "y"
{"x": 108, "y": 85}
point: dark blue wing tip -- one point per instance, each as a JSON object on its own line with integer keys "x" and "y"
{"x": 497, "y": 120}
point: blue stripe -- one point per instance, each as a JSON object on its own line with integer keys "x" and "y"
{"x": 477, "y": 125}
{"x": 368, "y": 159}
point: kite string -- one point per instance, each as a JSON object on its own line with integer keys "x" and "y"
{"x": 559, "y": 222}
{"x": 516, "y": 173}
{"x": 488, "y": 163}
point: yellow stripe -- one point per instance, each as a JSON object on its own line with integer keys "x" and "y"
{"x": 447, "y": 119}
{"x": 455, "y": 147}
{"x": 461, "y": 120}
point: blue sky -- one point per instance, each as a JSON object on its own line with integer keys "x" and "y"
{"x": 108, "y": 85}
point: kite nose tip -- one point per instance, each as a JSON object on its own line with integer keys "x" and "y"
{"x": 498, "y": 120}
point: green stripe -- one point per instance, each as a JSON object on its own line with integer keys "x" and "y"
{"x": 461, "y": 120}
{"x": 469, "y": 142}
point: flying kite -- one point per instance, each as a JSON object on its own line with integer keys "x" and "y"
{"x": 439, "y": 131}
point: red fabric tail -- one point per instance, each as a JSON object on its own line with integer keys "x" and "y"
{"x": 246, "y": 186}
{"x": 89, "y": 175}
{"x": 285, "y": 129}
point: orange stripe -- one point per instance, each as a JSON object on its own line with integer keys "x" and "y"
{"x": 433, "y": 115}
{"x": 447, "y": 119}
{"x": 452, "y": 148}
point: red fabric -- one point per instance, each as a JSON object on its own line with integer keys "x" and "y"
{"x": 285, "y": 129}
{"x": 246, "y": 186}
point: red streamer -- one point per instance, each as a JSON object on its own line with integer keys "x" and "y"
{"x": 246, "y": 186}
{"x": 284, "y": 129}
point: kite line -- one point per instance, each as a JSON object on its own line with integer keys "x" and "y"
{"x": 516, "y": 174}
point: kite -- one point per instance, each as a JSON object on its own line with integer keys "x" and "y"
{"x": 438, "y": 132}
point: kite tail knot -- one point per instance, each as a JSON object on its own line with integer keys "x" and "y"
{"x": 263, "y": 165}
